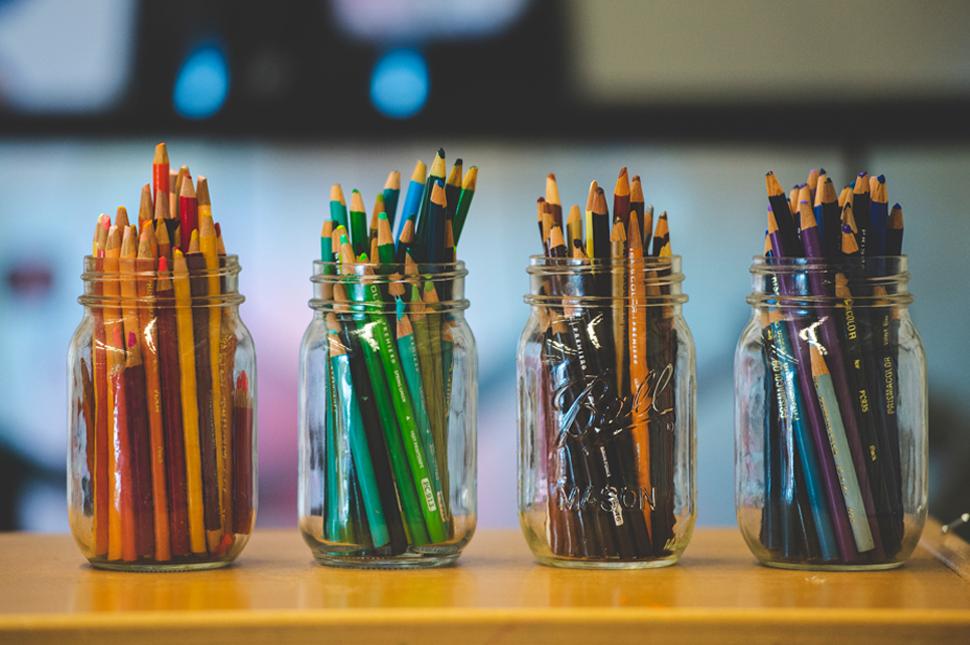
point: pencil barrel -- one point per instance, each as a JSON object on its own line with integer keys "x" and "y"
{"x": 134, "y": 437}
{"x": 606, "y": 460}
{"x": 388, "y": 388}
{"x": 831, "y": 415}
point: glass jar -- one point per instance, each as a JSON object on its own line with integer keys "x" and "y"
{"x": 161, "y": 395}
{"x": 388, "y": 395}
{"x": 830, "y": 415}
{"x": 606, "y": 427}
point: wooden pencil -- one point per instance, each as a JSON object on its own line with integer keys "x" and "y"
{"x": 148, "y": 330}
{"x": 170, "y": 387}
{"x": 190, "y": 408}
{"x": 115, "y": 354}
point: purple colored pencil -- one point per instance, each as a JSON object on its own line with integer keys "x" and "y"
{"x": 816, "y": 424}
{"x": 831, "y": 341}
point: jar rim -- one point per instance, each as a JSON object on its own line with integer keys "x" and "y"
{"x": 772, "y": 264}
{"x": 329, "y": 272}
{"x": 873, "y": 281}
{"x": 231, "y": 267}
{"x": 95, "y": 281}
{"x": 543, "y": 264}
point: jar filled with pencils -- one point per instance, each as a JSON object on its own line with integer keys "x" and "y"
{"x": 389, "y": 378}
{"x": 162, "y": 427}
{"x": 161, "y": 389}
{"x": 388, "y": 388}
{"x": 830, "y": 388}
{"x": 606, "y": 390}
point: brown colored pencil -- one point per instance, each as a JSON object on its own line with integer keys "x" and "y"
{"x": 147, "y": 323}
{"x": 243, "y": 455}
{"x": 552, "y": 198}
{"x": 199, "y": 288}
{"x": 135, "y": 392}
{"x": 170, "y": 387}
{"x": 621, "y": 199}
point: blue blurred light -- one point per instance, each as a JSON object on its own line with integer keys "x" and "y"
{"x": 202, "y": 84}
{"x": 399, "y": 83}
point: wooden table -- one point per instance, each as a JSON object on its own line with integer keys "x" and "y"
{"x": 496, "y": 595}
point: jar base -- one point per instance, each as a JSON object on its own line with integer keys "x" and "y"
{"x": 160, "y": 567}
{"x": 411, "y": 561}
{"x": 568, "y": 563}
{"x": 796, "y": 566}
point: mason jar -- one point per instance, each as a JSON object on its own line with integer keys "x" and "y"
{"x": 161, "y": 415}
{"x": 606, "y": 392}
{"x": 830, "y": 415}
{"x": 387, "y": 417}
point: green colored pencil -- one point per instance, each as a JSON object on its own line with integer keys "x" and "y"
{"x": 354, "y": 424}
{"x": 464, "y": 202}
{"x": 410, "y": 508}
{"x": 408, "y": 349}
{"x": 392, "y": 192}
{"x": 453, "y": 189}
{"x": 358, "y": 224}
{"x": 421, "y": 468}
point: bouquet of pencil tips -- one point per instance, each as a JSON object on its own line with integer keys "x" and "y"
{"x": 166, "y": 383}
{"x": 831, "y": 343}
{"x": 609, "y": 344}
{"x": 390, "y": 288}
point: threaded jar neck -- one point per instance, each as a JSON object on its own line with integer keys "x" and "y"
{"x": 369, "y": 288}
{"x": 137, "y": 283}
{"x": 601, "y": 283}
{"x": 810, "y": 283}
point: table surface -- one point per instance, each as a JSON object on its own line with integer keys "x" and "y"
{"x": 497, "y": 594}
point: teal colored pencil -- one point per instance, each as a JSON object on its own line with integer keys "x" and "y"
{"x": 338, "y": 206}
{"x": 354, "y": 431}
{"x": 423, "y": 225}
{"x": 777, "y": 339}
{"x": 338, "y": 524}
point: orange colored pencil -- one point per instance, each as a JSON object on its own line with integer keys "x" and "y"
{"x": 639, "y": 369}
{"x": 115, "y": 355}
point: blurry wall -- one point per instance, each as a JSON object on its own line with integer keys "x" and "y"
{"x": 679, "y": 92}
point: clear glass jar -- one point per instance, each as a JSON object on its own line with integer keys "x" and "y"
{"x": 830, "y": 415}
{"x": 606, "y": 455}
{"x": 388, "y": 395}
{"x": 161, "y": 476}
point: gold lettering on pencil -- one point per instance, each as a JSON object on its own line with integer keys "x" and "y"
{"x": 850, "y": 324}
{"x": 863, "y": 401}
{"x": 889, "y": 377}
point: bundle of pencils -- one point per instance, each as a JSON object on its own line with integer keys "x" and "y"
{"x": 169, "y": 432}
{"x": 607, "y": 417}
{"x": 385, "y": 432}
{"x": 833, "y": 479}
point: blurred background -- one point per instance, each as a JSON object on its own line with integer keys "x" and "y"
{"x": 274, "y": 102}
